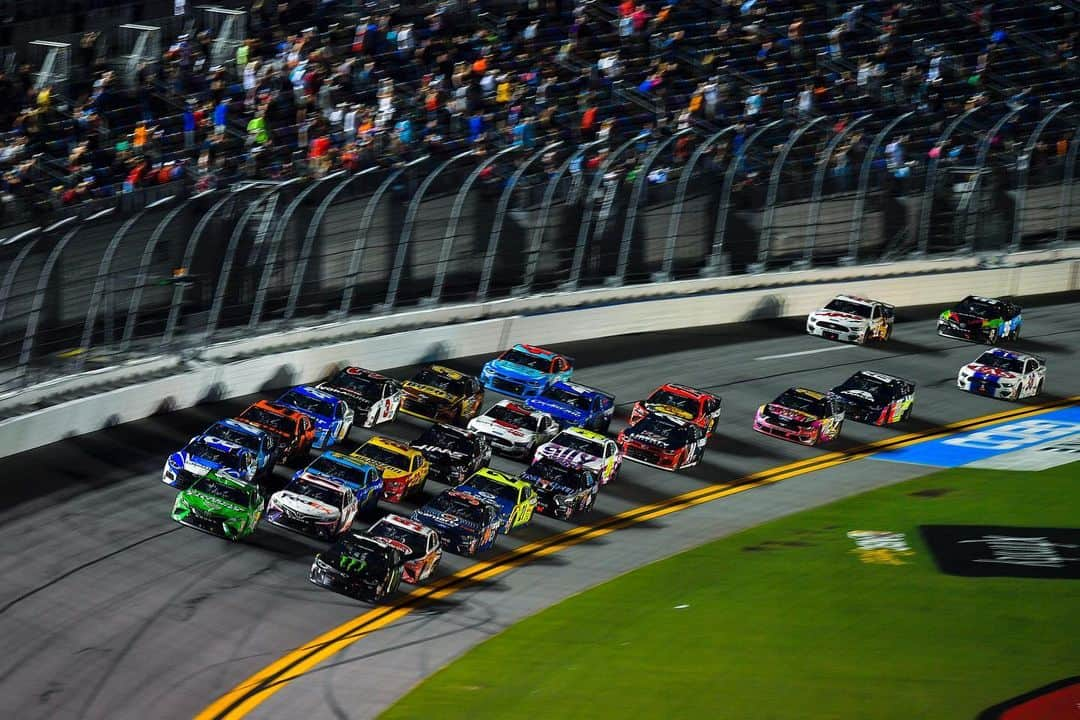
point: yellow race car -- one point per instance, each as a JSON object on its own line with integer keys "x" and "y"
{"x": 404, "y": 470}
{"x": 515, "y": 499}
{"x": 439, "y": 394}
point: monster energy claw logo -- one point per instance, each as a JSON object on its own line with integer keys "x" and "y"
{"x": 349, "y": 564}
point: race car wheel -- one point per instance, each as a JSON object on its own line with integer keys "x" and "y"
{"x": 589, "y": 504}
{"x": 865, "y": 339}
{"x": 1038, "y": 389}
{"x": 992, "y": 336}
{"x": 888, "y": 333}
{"x": 906, "y": 415}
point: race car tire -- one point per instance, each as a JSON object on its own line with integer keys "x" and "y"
{"x": 992, "y": 336}
{"x": 589, "y": 504}
{"x": 888, "y": 333}
{"x": 865, "y": 339}
{"x": 906, "y": 415}
{"x": 1038, "y": 389}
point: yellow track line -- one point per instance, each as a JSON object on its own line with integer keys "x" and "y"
{"x": 252, "y": 692}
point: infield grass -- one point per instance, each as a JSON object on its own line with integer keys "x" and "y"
{"x": 786, "y": 621}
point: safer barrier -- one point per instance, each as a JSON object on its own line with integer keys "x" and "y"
{"x": 257, "y": 364}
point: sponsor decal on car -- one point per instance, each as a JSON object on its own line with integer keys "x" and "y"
{"x": 995, "y": 551}
{"x": 881, "y": 547}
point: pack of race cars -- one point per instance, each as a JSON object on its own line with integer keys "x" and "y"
{"x": 554, "y": 424}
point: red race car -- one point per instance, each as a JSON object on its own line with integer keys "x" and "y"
{"x": 418, "y": 543}
{"x": 686, "y": 403}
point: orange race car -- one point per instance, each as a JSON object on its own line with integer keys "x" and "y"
{"x": 293, "y": 432}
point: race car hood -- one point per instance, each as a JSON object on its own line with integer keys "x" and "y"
{"x": 197, "y": 466}
{"x": 388, "y": 472}
{"x": 322, "y": 423}
{"x": 514, "y": 371}
{"x": 304, "y": 505}
{"x": 669, "y": 410}
{"x": 501, "y": 429}
{"x": 556, "y": 409}
{"x": 447, "y": 522}
{"x": 790, "y": 414}
{"x": 647, "y": 437}
{"x": 569, "y": 456}
{"x": 838, "y": 317}
{"x": 543, "y": 485}
{"x": 440, "y": 455}
{"x": 356, "y": 400}
{"x": 211, "y": 505}
{"x": 429, "y": 391}
{"x": 861, "y": 398}
{"x": 985, "y": 372}
{"x": 405, "y": 550}
{"x": 505, "y": 506}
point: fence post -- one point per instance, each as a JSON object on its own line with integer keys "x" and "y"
{"x": 931, "y": 179}
{"x": 1023, "y": 164}
{"x": 960, "y": 222}
{"x": 1065, "y": 206}
{"x": 855, "y": 238}
{"x": 31, "y": 238}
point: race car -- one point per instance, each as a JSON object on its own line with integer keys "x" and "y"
{"x": 578, "y": 446}
{"x": 453, "y": 453}
{"x": 1003, "y": 374}
{"x": 220, "y": 505}
{"x": 466, "y": 524}
{"x": 981, "y": 319}
{"x": 562, "y": 491}
{"x": 418, "y": 544}
{"x": 373, "y": 398}
{"x": 404, "y": 470}
{"x": 663, "y": 441}
{"x": 875, "y": 398}
{"x": 363, "y": 480}
{"x": 852, "y": 319}
{"x": 439, "y": 394}
{"x": 800, "y": 415}
{"x": 247, "y": 436}
{"x": 515, "y": 499}
{"x": 513, "y": 429}
{"x": 332, "y": 416}
{"x": 204, "y": 454}
{"x": 360, "y": 567}
{"x": 575, "y": 405}
{"x": 293, "y": 432}
{"x": 686, "y": 403}
{"x": 311, "y": 506}
{"x": 525, "y": 370}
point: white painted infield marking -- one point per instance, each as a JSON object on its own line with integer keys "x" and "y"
{"x": 806, "y": 352}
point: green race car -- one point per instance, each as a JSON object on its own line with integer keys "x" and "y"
{"x": 220, "y": 505}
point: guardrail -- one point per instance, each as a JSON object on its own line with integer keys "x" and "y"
{"x": 277, "y": 360}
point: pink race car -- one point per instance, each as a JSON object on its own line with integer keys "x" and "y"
{"x": 804, "y": 416}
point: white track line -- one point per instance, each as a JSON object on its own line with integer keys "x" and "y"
{"x": 807, "y": 352}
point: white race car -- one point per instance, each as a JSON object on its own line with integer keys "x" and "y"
{"x": 314, "y": 507}
{"x": 578, "y": 446}
{"x": 417, "y": 543}
{"x": 852, "y": 319}
{"x": 514, "y": 429}
{"x": 1003, "y": 374}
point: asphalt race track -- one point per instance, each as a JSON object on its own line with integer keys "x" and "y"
{"x": 108, "y": 609}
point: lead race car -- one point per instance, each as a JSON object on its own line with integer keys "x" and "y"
{"x": 852, "y": 319}
{"x": 875, "y": 398}
{"x": 664, "y": 442}
{"x": 799, "y": 415}
{"x": 1003, "y": 374}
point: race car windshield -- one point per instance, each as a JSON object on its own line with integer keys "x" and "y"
{"x": 229, "y": 493}
{"x": 313, "y": 406}
{"x": 556, "y": 473}
{"x": 666, "y": 397}
{"x": 315, "y": 492}
{"x": 200, "y": 449}
{"x": 851, "y": 308}
{"x": 576, "y": 442}
{"x": 1001, "y": 363}
{"x": 878, "y": 389}
{"x": 530, "y": 361}
{"x": 566, "y": 397}
{"x": 414, "y": 540}
{"x": 978, "y": 308}
{"x": 363, "y": 386}
{"x": 326, "y": 466}
{"x": 803, "y": 403}
{"x": 506, "y": 415}
{"x": 495, "y": 488}
{"x": 462, "y": 508}
{"x": 441, "y": 437}
{"x": 236, "y": 437}
{"x": 382, "y": 456}
{"x": 429, "y": 377}
{"x": 269, "y": 419}
{"x": 658, "y": 424}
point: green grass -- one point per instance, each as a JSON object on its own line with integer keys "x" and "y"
{"x": 785, "y": 621}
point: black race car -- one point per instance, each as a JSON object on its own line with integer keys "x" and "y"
{"x": 875, "y": 398}
{"x": 465, "y": 523}
{"x": 361, "y": 567}
{"x": 981, "y": 319}
{"x": 374, "y": 398}
{"x": 453, "y": 453}
{"x": 562, "y": 491}
{"x": 663, "y": 441}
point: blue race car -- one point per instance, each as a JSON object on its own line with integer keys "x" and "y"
{"x": 247, "y": 436}
{"x": 364, "y": 480}
{"x": 465, "y": 524}
{"x": 205, "y": 454}
{"x": 332, "y": 416}
{"x": 525, "y": 370}
{"x": 574, "y": 405}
